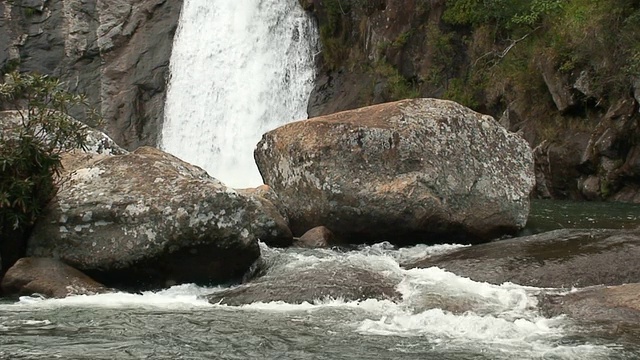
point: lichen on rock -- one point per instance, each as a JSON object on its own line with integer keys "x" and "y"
{"x": 410, "y": 171}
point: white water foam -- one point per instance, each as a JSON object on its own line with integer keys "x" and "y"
{"x": 185, "y": 296}
{"x": 411, "y": 254}
{"x": 448, "y": 311}
{"x": 238, "y": 69}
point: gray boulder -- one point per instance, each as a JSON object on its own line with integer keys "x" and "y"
{"x": 275, "y": 230}
{"x": 558, "y": 259}
{"x": 149, "y": 219}
{"x": 48, "y": 277}
{"x": 421, "y": 170}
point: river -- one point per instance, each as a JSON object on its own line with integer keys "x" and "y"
{"x": 238, "y": 69}
{"x": 492, "y": 322}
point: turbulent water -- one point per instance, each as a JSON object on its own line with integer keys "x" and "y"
{"x": 238, "y": 69}
{"x": 475, "y": 321}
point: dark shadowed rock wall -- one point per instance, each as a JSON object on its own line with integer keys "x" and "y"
{"x": 115, "y": 51}
{"x": 566, "y": 80}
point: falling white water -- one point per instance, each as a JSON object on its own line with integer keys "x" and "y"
{"x": 238, "y": 69}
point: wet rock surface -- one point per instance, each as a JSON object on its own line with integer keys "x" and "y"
{"x": 608, "y": 311}
{"x": 326, "y": 281}
{"x": 559, "y": 259}
{"x": 149, "y": 219}
{"x": 421, "y": 170}
{"x": 318, "y": 237}
{"x": 619, "y": 304}
{"x": 48, "y": 277}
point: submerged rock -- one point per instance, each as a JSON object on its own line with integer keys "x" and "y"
{"x": 149, "y": 219}
{"x": 618, "y": 304}
{"x": 304, "y": 275}
{"x": 421, "y": 170}
{"x": 561, "y": 258}
{"x": 48, "y": 277}
{"x": 606, "y": 311}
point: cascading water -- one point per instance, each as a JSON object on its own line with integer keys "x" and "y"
{"x": 238, "y": 69}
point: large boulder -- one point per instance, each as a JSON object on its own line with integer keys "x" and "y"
{"x": 48, "y": 277}
{"x": 558, "y": 259}
{"x": 421, "y": 170}
{"x": 149, "y": 219}
{"x": 97, "y": 146}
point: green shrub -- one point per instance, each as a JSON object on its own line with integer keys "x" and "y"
{"x": 31, "y": 142}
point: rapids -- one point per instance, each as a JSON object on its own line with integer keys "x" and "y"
{"x": 440, "y": 316}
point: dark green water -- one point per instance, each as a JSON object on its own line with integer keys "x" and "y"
{"x": 549, "y": 215}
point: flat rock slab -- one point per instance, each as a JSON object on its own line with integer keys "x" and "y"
{"x": 608, "y": 311}
{"x": 603, "y": 304}
{"x": 558, "y": 259}
{"x": 330, "y": 280}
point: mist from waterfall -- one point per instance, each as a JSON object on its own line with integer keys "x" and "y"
{"x": 238, "y": 69}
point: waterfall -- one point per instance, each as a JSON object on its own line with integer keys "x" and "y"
{"x": 238, "y": 69}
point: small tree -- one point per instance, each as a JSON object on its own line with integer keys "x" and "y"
{"x": 32, "y": 139}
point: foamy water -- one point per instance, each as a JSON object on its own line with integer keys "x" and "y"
{"x": 438, "y": 313}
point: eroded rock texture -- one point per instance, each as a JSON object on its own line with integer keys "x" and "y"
{"x": 150, "y": 219}
{"x": 560, "y": 259}
{"x": 115, "y": 51}
{"x": 48, "y": 277}
{"x": 421, "y": 170}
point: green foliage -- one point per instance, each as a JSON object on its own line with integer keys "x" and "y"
{"x": 402, "y": 39}
{"x": 596, "y": 37}
{"x": 30, "y": 11}
{"x": 504, "y": 14}
{"x": 398, "y": 86}
{"x": 31, "y": 144}
{"x": 460, "y": 91}
{"x": 333, "y": 32}
{"x": 10, "y": 65}
{"x": 441, "y": 53}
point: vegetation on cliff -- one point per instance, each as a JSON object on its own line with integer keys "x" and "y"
{"x": 555, "y": 70}
{"x": 31, "y": 142}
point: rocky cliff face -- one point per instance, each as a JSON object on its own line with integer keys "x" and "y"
{"x": 566, "y": 80}
{"x": 115, "y": 51}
